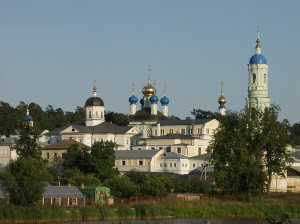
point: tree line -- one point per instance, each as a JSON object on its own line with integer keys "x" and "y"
{"x": 48, "y": 119}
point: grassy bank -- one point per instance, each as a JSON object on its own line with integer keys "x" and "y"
{"x": 261, "y": 207}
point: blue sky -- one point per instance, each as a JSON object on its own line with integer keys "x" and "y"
{"x": 52, "y": 51}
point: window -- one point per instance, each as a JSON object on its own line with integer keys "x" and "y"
{"x": 162, "y": 132}
{"x": 171, "y": 131}
{"x": 165, "y": 164}
{"x": 190, "y": 131}
{"x": 183, "y": 131}
{"x": 123, "y": 162}
{"x": 199, "y": 150}
{"x": 265, "y": 78}
{"x": 198, "y": 131}
{"x": 207, "y": 130}
{"x": 73, "y": 129}
{"x": 178, "y": 150}
{"x": 48, "y": 156}
{"x": 182, "y": 164}
{"x": 194, "y": 165}
{"x": 55, "y": 155}
{"x": 140, "y": 162}
{"x": 155, "y": 132}
{"x": 171, "y": 164}
{"x": 174, "y": 164}
{"x": 101, "y": 114}
{"x": 160, "y": 165}
{"x": 80, "y": 140}
{"x": 90, "y": 114}
{"x": 168, "y": 149}
{"x": 253, "y": 78}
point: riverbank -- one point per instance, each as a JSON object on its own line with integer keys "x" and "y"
{"x": 207, "y": 207}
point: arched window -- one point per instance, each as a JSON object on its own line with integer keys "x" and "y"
{"x": 265, "y": 78}
{"x": 253, "y": 78}
{"x": 90, "y": 114}
{"x": 101, "y": 114}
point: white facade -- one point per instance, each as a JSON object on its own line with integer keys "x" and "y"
{"x": 258, "y": 96}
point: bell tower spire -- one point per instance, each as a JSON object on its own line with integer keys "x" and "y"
{"x": 258, "y": 89}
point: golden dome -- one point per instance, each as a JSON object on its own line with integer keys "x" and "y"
{"x": 222, "y": 100}
{"x": 148, "y": 90}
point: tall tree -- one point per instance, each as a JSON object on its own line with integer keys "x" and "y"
{"x": 24, "y": 180}
{"x": 102, "y": 160}
{"x": 274, "y": 140}
{"x": 77, "y": 158}
{"x": 26, "y": 145}
{"x": 236, "y": 169}
{"x": 248, "y": 148}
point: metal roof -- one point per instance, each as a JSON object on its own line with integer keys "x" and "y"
{"x": 173, "y": 155}
{"x": 64, "y": 145}
{"x": 62, "y": 192}
{"x": 135, "y": 154}
{"x": 184, "y": 122}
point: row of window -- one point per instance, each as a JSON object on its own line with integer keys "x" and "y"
{"x": 254, "y": 78}
{"x": 172, "y": 165}
{"x": 96, "y": 114}
{"x": 140, "y": 163}
{"x": 184, "y": 131}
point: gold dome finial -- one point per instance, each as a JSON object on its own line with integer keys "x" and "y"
{"x": 222, "y": 99}
{"x": 148, "y": 89}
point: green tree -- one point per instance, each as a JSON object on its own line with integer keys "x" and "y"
{"x": 77, "y": 158}
{"x": 102, "y": 159}
{"x": 75, "y": 177}
{"x": 273, "y": 139}
{"x": 237, "y": 165}
{"x": 122, "y": 187}
{"x": 117, "y": 118}
{"x": 203, "y": 114}
{"x": 197, "y": 186}
{"x": 26, "y": 145}
{"x": 24, "y": 180}
{"x": 295, "y": 133}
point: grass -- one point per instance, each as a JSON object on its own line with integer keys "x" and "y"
{"x": 274, "y": 205}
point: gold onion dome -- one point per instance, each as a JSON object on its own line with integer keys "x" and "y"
{"x": 222, "y": 100}
{"x": 148, "y": 90}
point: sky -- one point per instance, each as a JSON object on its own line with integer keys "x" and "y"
{"x": 52, "y": 51}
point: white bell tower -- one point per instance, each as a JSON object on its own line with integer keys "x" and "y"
{"x": 258, "y": 94}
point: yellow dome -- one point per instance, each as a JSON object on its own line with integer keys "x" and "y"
{"x": 222, "y": 100}
{"x": 148, "y": 90}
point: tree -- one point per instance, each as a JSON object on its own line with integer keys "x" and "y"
{"x": 26, "y": 145}
{"x": 237, "y": 166}
{"x": 295, "y": 133}
{"x": 75, "y": 177}
{"x": 102, "y": 159}
{"x": 24, "y": 180}
{"x": 77, "y": 158}
{"x": 122, "y": 187}
{"x": 203, "y": 114}
{"x": 248, "y": 148}
{"x": 274, "y": 140}
{"x": 117, "y": 118}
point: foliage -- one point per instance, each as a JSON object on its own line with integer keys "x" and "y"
{"x": 26, "y": 145}
{"x": 75, "y": 177}
{"x": 203, "y": 114}
{"x": 234, "y": 160}
{"x": 102, "y": 159}
{"x": 11, "y": 118}
{"x": 24, "y": 180}
{"x": 247, "y": 149}
{"x": 122, "y": 187}
{"x": 117, "y": 118}
{"x": 77, "y": 158}
{"x": 273, "y": 140}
